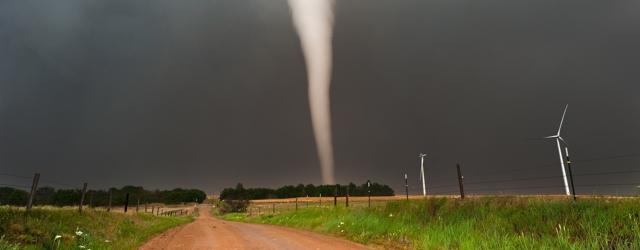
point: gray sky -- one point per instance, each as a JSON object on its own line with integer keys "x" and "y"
{"x": 205, "y": 94}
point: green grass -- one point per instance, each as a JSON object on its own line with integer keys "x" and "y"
{"x": 479, "y": 223}
{"x": 99, "y": 229}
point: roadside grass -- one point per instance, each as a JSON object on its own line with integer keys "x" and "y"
{"x": 477, "y": 223}
{"x": 68, "y": 229}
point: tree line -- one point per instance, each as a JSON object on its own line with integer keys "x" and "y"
{"x": 70, "y": 197}
{"x": 290, "y": 191}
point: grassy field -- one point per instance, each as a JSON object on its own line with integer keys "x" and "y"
{"x": 476, "y": 223}
{"x": 51, "y": 228}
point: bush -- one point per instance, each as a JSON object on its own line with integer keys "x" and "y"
{"x": 300, "y": 190}
{"x": 234, "y": 206}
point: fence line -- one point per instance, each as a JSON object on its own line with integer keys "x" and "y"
{"x": 10, "y": 199}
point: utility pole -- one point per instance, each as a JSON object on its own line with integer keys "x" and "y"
{"x": 84, "y": 191}
{"x": 573, "y": 189}
{"x": 460, "y": 178}
{"x": 34, "y": 189}
{"x": 424, "y": 186}
{"x": 406, "y": 186}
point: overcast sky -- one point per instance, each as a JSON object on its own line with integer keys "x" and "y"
{"x": 206, "y": 94}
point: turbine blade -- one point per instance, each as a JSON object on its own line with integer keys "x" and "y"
{"x": 551, "y": 137}
{"x": 562, "y": 120}
{"x": 563, "y": 141}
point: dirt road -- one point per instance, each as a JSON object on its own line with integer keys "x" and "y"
{"x": 211, "y": 233}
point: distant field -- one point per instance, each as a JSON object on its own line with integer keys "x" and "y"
{"x": 268, "y": 206}
{"x": 91, "y": 229}
{"x": 507, "y": 222}
{"x": 117, "y": 209}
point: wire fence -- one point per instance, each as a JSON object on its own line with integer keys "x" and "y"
{"x": 479, "y": 184}
{"x": 19, "y": 184}
{"x": 474, "y": 184}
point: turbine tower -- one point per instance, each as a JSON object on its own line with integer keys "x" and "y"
{"x": 558, "y": 138}
{"x": 424, "y": 187}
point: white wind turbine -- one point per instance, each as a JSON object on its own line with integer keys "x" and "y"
{"x": 424, "y": 187}
{"x": 558, "y": 139}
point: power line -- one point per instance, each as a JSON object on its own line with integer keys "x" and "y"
{"x": 512, "y": 180}
{"x": 609, "y": 173}
{"x": 609, "y": 158}
{"x": 16, "y": 176}
{"x": 12, "y": 185}
{"x": 515, "y": 188}
{"x": 610, "y": 184}
{"x": 58, "y": 183}
{"x": 622, "y": 156}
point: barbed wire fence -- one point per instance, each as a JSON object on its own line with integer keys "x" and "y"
{"x": 484, "y": 183}
{"x": 479, "y": 184}
{"x": 19, "y": 183}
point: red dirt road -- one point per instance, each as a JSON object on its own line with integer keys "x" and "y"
{"x": 211, "y": 233}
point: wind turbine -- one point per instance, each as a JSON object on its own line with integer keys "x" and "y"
{"x": 558, "y": 139}
{"x": 424, "y": 187}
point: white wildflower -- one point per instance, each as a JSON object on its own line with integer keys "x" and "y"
{"x": 81, "y": 246}
{"x": 57, "y": 237}
{"x": 107, "y": 241}
{"x": 390, "y": 215}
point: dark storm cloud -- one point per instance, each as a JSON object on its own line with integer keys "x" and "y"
{"x": 206, "y": 94}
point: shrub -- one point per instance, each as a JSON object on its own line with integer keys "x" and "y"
{"x": 233, "y": 206}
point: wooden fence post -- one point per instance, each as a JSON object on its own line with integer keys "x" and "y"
{"x": 84, "y": 191}
{"x": 110, "y": 198}
{"x": 34, "y": 189}
{"x": 347, "y": 197}
{"x": 335, "y": 196}
{"x": 460, "y": 178}
{"x": 126, "y": 202}
{"x": 369, "y": 192}
{"x": 573, "y": 188}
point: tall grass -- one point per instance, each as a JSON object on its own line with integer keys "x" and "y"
{"x": 479, "y": 223}
{"x": 89, "y": 230}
